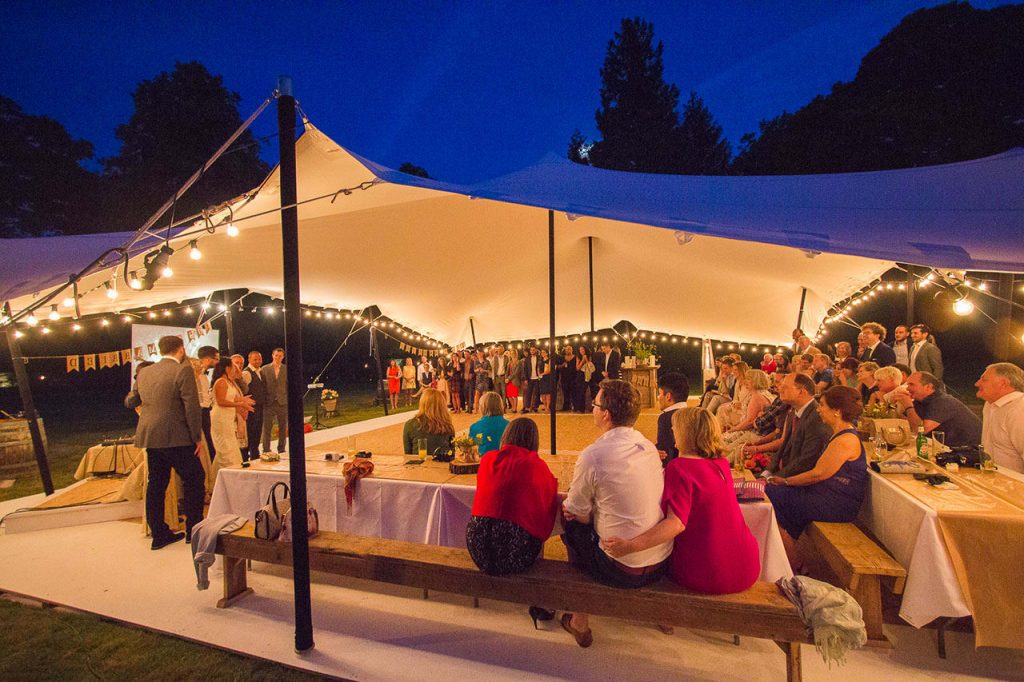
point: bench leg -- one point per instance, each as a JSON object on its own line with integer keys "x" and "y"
{"x": 792, "y": 651}
{"x": 941, "y": 624}
{"x": 867, "y": 591}
{"x": 476, "y": 602}
{"x": 426, "y": 594}
{"x": 235, "y": 586}
{"x": 736, "y": 640}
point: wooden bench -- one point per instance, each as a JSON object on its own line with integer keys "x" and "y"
{"x": 855, "y": 563}
{"x": 762, "y": 611}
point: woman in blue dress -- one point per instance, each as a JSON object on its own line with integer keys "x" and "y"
{"x": 834, "y": 489}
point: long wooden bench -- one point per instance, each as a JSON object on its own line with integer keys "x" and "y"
{"x": 761, "y": 611}
{"x": 858, "y": 565}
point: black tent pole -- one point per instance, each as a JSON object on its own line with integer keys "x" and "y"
{"x": 28, "y": 404}
{"x": 800, "y": 315}
{"x": 590, "y": 261}
{"x": 293, "y": 348}
{"x": 472, "y": 330}
{"x": 375, "y": 350}
{"x": 551, "y": 320}
{"x": 229, "y": 322}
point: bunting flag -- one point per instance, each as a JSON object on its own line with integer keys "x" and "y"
{"x": 137, "y": 353}
{"x": 126, "y": 356}
{"x": 191, "y": 335}
{"x": 72, "y": 363}
{"x": 90, "y": 362}
{"x": 151, "y": 348}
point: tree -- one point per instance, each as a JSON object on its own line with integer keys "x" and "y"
{"x": 703, "y": 152}
{"x": 945, "y": 85}
{"x": 180, "y": 119}
{"x": 413, "y": 169}
{"x": 43, "y": 187}
{"x": 637, "y": 120}
{"x": 579, "y": 148}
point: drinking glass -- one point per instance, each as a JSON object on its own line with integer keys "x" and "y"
{"x": 878, "y": 443}
{"x": 987, "y": 464}
{"x": 938, "y": 441}
{"x": 421, "y": 447}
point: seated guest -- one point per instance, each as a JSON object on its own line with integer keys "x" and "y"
{"x": 768, "y": 364}
{"x": 822, "y": 366}
{"x": 927, "y": 404}
{"x": 616, "y": 491}
{"x": 432, "y": 422}
{"x": 1001, "y": 386}
{"x": 722, "y": 390}
{"x": 843, "y": 351}
{"x": 713, "y": 550}
{"x": 866, "y": 380}
{"x": 805, "y": 433}
{"x": 781, "y": 363}
{"x": 889, "y": 381}
{"x": 767, "y": 426}
{"x": 673, "y": 390}
{"x": 729, "y": 412}
{"x": 515, "y": 504}
{"x": 831, "y": 490}
{"x": 492, "y": 424}
{"x": 756, "y": 398}
{"x": 846, "y": 373}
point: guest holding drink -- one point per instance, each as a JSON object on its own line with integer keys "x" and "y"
{"x": 432, "y": 423}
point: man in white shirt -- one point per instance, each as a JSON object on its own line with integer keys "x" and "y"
{"x": 208, "y": 357}
{"x": 1001, "y": 386}
{"x": 901, "y": 344}
{"x": 616, "y": 492}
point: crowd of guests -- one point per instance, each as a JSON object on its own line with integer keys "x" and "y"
{"x": 197, "y": 424}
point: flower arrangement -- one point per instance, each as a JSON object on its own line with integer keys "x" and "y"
{"x": 641, "y": 350}
{"x": 466, "y": 442}
{"x": 328, "y": 394}
{"x": 880, "y": 410}
{"x": 757, "y": 463}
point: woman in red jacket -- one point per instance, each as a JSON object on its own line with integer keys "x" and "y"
{"x": 515, "y": 504}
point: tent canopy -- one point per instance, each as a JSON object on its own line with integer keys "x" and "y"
{"x": 431, "y": 255}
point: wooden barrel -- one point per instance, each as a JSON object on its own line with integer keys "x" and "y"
{"x": 16, "y": 441}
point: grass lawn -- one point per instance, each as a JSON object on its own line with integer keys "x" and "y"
{"x": 54, "y": 644}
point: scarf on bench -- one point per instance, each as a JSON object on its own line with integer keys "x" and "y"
{"x": 831, "y": 613}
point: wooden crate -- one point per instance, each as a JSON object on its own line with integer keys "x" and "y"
{"x": 16, "y": 441}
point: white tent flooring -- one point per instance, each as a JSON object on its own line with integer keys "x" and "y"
{"x": 369, "y": 631}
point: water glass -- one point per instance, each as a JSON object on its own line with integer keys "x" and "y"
{"x": 938, "y": 441}
{"x": 421, "y": 446}
{"x": 878, "y": 443}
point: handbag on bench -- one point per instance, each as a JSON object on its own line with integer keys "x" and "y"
{"x": 270, "y": 517}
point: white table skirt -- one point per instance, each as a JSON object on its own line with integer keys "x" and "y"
{"x": 428, "y": 513}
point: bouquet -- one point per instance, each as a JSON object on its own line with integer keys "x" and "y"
{"x": 757, "y": 463}
{"x": 328, "y": 394}
{"x": 467, "y": 446}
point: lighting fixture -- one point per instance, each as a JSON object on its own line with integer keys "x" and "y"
{"x": 54, "y": 315}
{"x": 18, "y": 334}
{"x": 76, "y": 327}
{"x": 45, "y": 330}
{"x": 134, "y": 282}
{"x": 193, "y": 251}
{"x": 111, "y": 290}
{"x": 156, "y": 266}
{"x": 232, "y": 230}
{"x": 31, "y": 320}
{"x": 963, "y": 307}
{"x": 68, "y": 302}
{"x": 105, "y": 322}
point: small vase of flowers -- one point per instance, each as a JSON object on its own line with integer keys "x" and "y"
{"x": 329, "y": 397}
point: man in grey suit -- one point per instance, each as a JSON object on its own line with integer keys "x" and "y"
{"x": 925, "y": 356}
{"x": 806, "y": 434}
{"x": 170, "y": 429}
{"x": 275, "y": 377}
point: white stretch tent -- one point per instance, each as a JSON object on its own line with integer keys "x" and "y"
{"x": 430, "y": 254}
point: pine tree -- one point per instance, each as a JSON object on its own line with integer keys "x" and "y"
{"x": 704, "y": 152}
{"x": 579, "y": 148}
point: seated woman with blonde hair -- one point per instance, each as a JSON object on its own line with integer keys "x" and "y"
{"x": 713, "y": 552}
{"x": 433, "y": 422}
{"x": 756, "y": 398}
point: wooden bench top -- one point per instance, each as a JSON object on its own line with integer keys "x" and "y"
{"x": 762, "y": 611}
{"x": 857, "y": 550}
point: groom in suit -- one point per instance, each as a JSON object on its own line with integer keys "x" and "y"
{"x": 607, "y": 363}
{"x": 875, "y": 350}
{"x": 275, "y": 378}
{"x": 170, "y": 429}
{"x": 806, "y": 434}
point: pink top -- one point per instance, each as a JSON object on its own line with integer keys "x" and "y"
{"x": 769, "y": 367}
{"x": 716, "y": 554}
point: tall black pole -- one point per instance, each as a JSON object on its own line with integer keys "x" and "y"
{"x": 551, "y": 320}
{"x": 293, "y": 348}
{"x": 375, "y": 350}
{"x": 800, "y": 315}
{"x": 590, "y": 261}
{"x": 910, "y": 297}
{"x": 229, "y": 322}
{"x": 472, "y": 330}
{"x": 28, "y": 404}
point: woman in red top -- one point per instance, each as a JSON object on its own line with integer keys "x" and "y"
{"x": 394, "y": 383}
{"x": 515, "y": 504}
{"x": 768, "y": 364}
{"x": 714, "y": 551}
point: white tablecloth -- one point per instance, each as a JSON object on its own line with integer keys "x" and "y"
{"x": 428, "y": 513}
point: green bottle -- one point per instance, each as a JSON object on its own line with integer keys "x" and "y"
{"x": 922, "y": 442}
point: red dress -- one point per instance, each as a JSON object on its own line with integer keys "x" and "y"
{"x": 716, "y": 554}
{"x": 394, "y": 383}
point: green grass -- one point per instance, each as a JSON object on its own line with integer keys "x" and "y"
{"x": 45, "y": 644}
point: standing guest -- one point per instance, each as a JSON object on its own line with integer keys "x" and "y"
{"x": 394, "y": 383}
{"x": 424, "y": 375}
{"x": 822, "y": 366}
{"x": 208, "y": 357}
{"x": 607, "y": 362}
{"x": 616, "y": 492}
{"x": 432, "y": 422}
{"x": 901, "y": 344}
{"x": 567, "y": 377}
{"x": 928, "y": 404}
{"x": 408, "y": 380}
{"x": 226, "y": 428}
{"x": 805, "y": 433}
{"x": 481, "y": 377}
{"x": 862, "y": 346}
{"x": 275, "y": 376}
{"x": 514, "y": 506}
{"x": 833, "y": 489}
{"x": 441, "y": 384}
{"x": 547, "y": 379}
{"x": 843, "y": 351}
{"x": 468, "y": 381}
{"x": 170, "y": 429}
{"x": 768, "y": 364}
{"x": 455, "y": 382}
{"x": 875, "y": 349}
{"x": 867, "y": 383}
{"x": 713, "y": 550}
{"x": 673, "y": 390}
{"x": 239, "y": 362}
{"x": 1001, "y": 386}
{"x": 499, "y": 369}
{"x": 796, "y": 334}
{"x": 257, "y": 390}
{"x": 533, "y": 367}
{"x": 925, "y": 356}
{"x": 243, "y": 384}
{"x": 803, "y": 345}
{"x": 585, "y": 371}
{"x": 491, "y": 424}
{"x": 514, "y": 378}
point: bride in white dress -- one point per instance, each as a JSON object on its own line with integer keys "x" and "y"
{"x": 229, "y": 410}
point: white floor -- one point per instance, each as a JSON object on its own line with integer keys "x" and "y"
{"x": 368, "y": 631}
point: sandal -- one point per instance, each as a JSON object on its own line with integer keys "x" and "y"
{"x": 583, "y": 637}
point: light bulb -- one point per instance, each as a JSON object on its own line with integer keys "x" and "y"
{"x": 963, "y": 307}
{"x": 54, "y": 315}
{"x": 134, "y": 282}
{"x": 983, "y": 286}
{"x": 126, "y": 318}
{"x": 45, "y": 330}
{"x": 221, "y": 307}
{"x": 232, "y": 230}
{"x": 194, "y": 253}
{"x": 167, "y": 271}
{"x": 105, "y": 322}
{"x": 111, "y": 291}
{"x": 76, "y": 327}
{"x": 68, "y": 302}
{"x": 18, "y": 334}
{"x": 31, "y": 320}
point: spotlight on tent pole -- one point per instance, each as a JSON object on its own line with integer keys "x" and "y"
{"x": 155, "y": 264}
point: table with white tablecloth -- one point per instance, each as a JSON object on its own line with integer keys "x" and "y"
{"x": 433, "y": 511}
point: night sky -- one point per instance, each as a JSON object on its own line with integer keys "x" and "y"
{"x": 468, "y": 90}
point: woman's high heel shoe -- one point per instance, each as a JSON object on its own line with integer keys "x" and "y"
{"x": 537, "y": 613}
{"x": 583, "y": 637}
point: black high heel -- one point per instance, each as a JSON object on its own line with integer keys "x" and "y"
{"x": 537, "y": 613}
